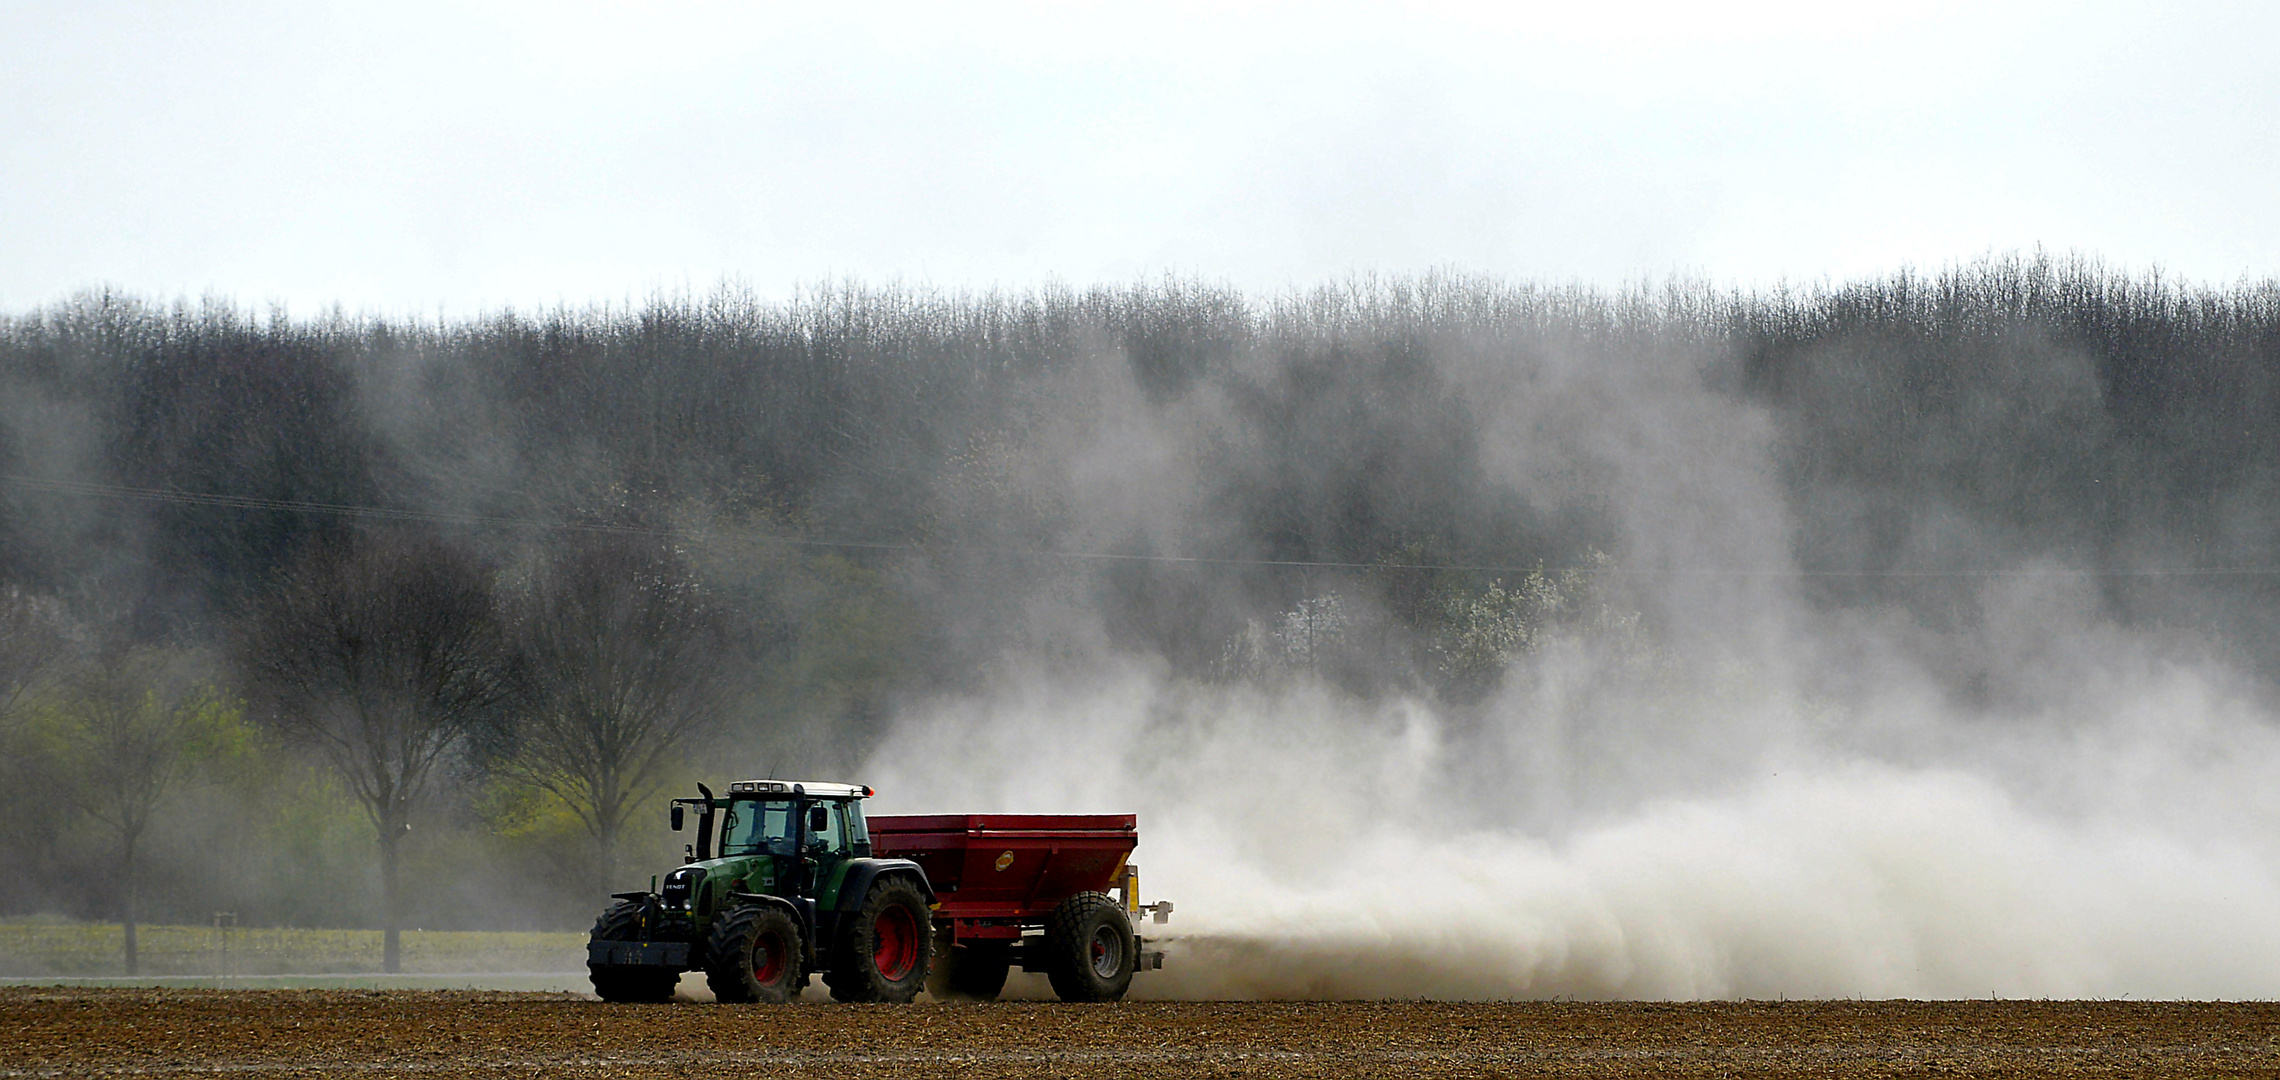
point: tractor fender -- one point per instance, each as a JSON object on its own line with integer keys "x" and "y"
{"x": 862, "y": 872}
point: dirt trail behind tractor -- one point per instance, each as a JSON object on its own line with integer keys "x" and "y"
{"x": 803, "y": 883}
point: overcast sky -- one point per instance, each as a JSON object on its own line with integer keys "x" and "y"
{"x": 413, "y": 156}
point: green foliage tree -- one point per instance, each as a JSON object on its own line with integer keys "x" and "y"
{"x": 124, "y": 731}
{"x": 1482, "y": 632}
{"x": 34, "y": 647}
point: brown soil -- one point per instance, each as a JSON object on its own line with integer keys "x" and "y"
{"x": 72, "y": 1032}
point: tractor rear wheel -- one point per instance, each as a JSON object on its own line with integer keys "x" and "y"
{"x": 627, "y": 982}
{"x": 1089, "y": 950}
{"x": 884, "y": 946}
{"x": 974, "y": 971}
{"x": 753, "y": 955}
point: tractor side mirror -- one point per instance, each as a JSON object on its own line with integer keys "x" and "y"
{"x": 676, "y": 817}
{"x": 819, "y": 819}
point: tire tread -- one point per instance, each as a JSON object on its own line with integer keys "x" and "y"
{"x": 851, "y": 975}
{"x": 1068, "y": 949}
{"x": 626, "y": 985}
{"x": 728, "y": 956}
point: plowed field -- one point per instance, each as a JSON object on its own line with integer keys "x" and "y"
{"x": 80, "y": 1032}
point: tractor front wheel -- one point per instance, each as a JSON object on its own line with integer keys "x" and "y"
{"x": 753, "y": 955}
{"x": 627, "y": 982}
{"x": 883, "y": 953}
{"x": 1089, "y": 950}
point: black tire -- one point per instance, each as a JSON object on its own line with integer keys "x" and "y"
{"x": 1089, "y": 950}
{"x": 624, "y": 982}
{"x": 974, "y": 971}
{"x": 753, "y": 955}
{"x": 884, "y": 946}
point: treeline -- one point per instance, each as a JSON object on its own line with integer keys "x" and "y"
{"x": 448, "y": 603}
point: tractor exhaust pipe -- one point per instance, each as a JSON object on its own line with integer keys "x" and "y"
{"x": 704, "y": 824}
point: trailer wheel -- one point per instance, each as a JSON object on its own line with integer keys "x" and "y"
{"x": 753, "y": 955}
{"x": 884, "y": 948}
{"x": 1089, "y": 951}
{"x": 974, "y": 971}
{"x": 627, "y": 982}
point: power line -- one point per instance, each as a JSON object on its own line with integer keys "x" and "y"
{"x": 247, "y": 502}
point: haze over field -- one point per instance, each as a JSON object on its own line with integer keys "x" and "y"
{"x": 1511, "y": 631}
{"x": 1913, "y": 638}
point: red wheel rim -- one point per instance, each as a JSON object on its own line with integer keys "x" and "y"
{"x": 1107, "y": 951}
{"x": 894, "y": 946}
{"x": 768, "y": 958}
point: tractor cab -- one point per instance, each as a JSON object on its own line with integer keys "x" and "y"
{"x": 806, "y": 833}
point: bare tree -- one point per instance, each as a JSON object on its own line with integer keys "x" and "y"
{"x": 126, "y": 729}
{"x": 382, "y": 654}
{"x": 625, "y": 663}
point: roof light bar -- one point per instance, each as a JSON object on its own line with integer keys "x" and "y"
{"x": 797, "y": 790}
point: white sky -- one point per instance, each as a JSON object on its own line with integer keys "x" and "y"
{"x": 422, "y": 156}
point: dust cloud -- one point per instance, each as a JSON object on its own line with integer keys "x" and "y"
{"x": 1352, "y": 867}
{"x": 1966, "y": 776}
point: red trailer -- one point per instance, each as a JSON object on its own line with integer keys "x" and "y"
{"x": 1028, "y": 889}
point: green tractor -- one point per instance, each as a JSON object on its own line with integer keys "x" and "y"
{"x": 792, "y": 890}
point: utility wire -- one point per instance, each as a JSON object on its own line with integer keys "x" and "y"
{"x": 247, "y": 502}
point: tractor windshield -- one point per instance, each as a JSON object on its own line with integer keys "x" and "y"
{"x": 757, "y": 827}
